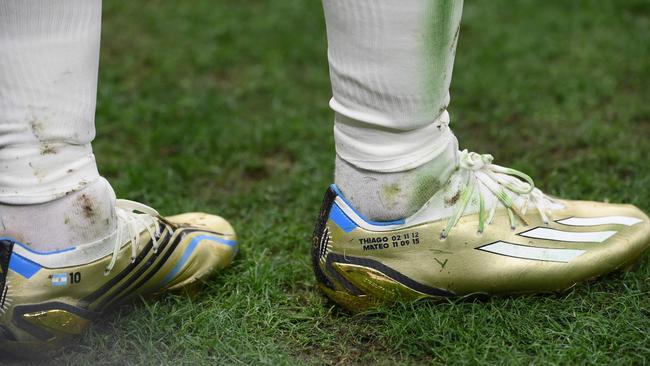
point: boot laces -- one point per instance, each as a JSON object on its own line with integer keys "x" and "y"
{"x": 497, "y": 179}
{"x": 128, "y": 220}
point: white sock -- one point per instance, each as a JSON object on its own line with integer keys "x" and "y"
{"x": 390, "y": 196}
{"x": 49, "y": 57}
{"x": 81, "y": 217}
{"x": 51, "y": 194}
{"x": 390, "y": 66}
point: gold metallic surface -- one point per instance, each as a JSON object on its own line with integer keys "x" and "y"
{"x": 351, "y": 302}
{"x": 458, "y": 265}
{"x": 378, "y": 289}
{"x": 48, "y": 303}
{"x": 376, "y": 284}
{"x": 59, "y": 321}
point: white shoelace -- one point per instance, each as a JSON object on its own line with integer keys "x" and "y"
{"x": 495, "y": 178}
{"x": 128, "y": 219}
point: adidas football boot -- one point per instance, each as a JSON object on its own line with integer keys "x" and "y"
{"x": 487, "y": 231}
{"x": 45, "y": 298}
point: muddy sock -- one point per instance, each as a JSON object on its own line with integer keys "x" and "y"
{"x": 391, "y": 196}
{"x": 51, "y": 194}
{"x": 78, "y": 218}
{"x": 49, "y": 57}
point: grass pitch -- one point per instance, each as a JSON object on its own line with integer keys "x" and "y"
{"x": 221, "y": 106}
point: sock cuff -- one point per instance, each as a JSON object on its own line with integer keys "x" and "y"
{"x": 389, "y": 150}
{"x": 39, "y": 173}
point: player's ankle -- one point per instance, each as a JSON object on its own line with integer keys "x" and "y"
{"x": 80, "y": 217}
{"x": 390, "y": 196}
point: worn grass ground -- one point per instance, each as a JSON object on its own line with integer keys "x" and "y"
{"x": 221, "y": 106}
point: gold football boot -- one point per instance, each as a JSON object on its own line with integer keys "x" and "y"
{"x": 488, "y": 231}
{"x": 45, "y": 298}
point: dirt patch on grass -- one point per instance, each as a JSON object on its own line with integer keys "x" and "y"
{"x": 275, "y": 163}
{"x": 245, "y": 174}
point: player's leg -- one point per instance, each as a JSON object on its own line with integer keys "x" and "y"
{"x": 68, "y": 248}
{"x": 49, "y": 55}
{"x": 459, "y": 224}
{"x": 390, "y": 65}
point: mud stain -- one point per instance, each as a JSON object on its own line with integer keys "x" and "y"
{"x": 452, "y": 201}
{"x": 38, "y": 174}
{"x": 87, "y": 206}
{"x": 47, "y": 149}
{"x": 37, "y": 127}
